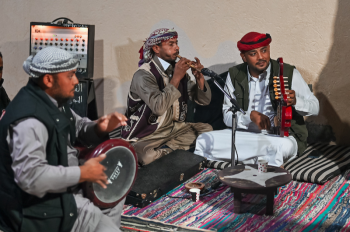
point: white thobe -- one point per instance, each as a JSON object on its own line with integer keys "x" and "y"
{"x": 27, "y": 139}
{"x": 251, "y": 143}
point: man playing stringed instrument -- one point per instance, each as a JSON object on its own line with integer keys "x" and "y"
{"x": 251, "y": 84}
{"x": 157, "y": 101}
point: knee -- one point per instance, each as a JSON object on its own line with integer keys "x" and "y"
{"x": 289, "y": 148}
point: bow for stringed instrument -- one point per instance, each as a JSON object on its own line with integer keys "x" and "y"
{"x": 284, "y": 112}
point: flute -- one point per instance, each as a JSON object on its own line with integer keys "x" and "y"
{"x": 191, "y": 65}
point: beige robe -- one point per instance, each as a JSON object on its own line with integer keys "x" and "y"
{"x": 176, "y": 135}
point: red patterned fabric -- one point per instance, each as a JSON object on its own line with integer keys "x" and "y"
{"x": 253, "y": 40}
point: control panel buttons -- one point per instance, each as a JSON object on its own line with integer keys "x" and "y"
{"x": 83, "y": 45}
{"x": 40, "y": 48}
{"x": 45, "y": 44}
{"x": 82, "y": 49}
{"x": 77, "y": 40}
{"x": 72, "y": 40}
{"x": 41, "y": 38}
{"x": 36, "y": 38}
{"x": 61, "y": 39}
{"x": 66, "y": 44}
{"x": 50, "y": 43}
{"x": 71, "y": 44}
{"x": 56, "y": 39}
{"x": 77, "y": 44}
{"x": 46, "y": 39}
{"x": 71, "y": 49}
{"x": 51, "y": 39}
{"x": 36, "y": 43}
{"x": 41, "y": 43}
{"x": 65, "y": 49}
{"x": 34, "y": 48}
{"x": 61, "y": 44}
{"x": 67, "y": 39}
{"x": 77, "y": 49}
{"x": 83, "y": 40}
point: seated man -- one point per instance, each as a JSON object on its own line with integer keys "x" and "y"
{"x": 250, "y": 84}
{"x": 39, "y": 165}
{"x": 157, "y": 101}
{"x": 4, "y": 99}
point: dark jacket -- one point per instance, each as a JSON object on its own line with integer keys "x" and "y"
{"x": 20, "y": 211}
{"x": 4, "y": 99}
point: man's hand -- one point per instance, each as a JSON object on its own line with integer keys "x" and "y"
{"x": 93, "y": 171}
{"x": 198, "y": 75}
{"x": 291, "y": 100}
{"x": 179, "y": 71}
{"x": 261, "y": 120}
{"x": 109, "y": 122}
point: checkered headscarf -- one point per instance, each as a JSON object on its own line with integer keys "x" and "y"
{"x": 50, "y": 60}
{"x": 157, "y": 36}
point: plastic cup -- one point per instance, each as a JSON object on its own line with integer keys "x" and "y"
{"x": 195, "y": 194}
{"x": 262, "y": 166}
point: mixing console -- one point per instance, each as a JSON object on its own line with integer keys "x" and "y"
{"x": 73, "y": 40}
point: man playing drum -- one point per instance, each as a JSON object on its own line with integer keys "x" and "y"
{"x": 250, "y": 84}
{"x": 157, "y": 101}
{"x": 39, "y": 167}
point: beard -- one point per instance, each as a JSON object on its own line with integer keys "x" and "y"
{"x": 58, "y": 96}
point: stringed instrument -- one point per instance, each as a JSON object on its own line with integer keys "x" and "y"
{"x": 284, "y": 112}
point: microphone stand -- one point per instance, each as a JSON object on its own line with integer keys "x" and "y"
{"x": 234, "y": 109}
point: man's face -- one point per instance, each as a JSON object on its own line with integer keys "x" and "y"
{"x": 63, "y": 86}
{"x": 1, "y": 67}
{"x": 257, "y": 59}
{"x": 168, "y": 51}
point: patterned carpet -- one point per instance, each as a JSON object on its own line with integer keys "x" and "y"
{"x": 298, "y": 207}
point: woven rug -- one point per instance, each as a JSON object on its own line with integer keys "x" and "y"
{"x": 298, "y": 207}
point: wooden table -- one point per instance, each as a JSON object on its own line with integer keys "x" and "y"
{"x": 239, "y": 186}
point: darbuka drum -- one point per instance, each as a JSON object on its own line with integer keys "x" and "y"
{"x": 121, "y": 164}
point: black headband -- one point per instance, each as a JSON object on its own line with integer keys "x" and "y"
{"x": 259, "y": 41}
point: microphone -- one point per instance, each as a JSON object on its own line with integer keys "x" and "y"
{"x": 209, "y": 73}
{"x": 212, "y": 74}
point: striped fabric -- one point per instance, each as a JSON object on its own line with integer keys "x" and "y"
{"x": 218, "y": 164}
{"x": 115, "y": 134}
{"x": 299, "y": 206}
{"x": 332, "y": 161}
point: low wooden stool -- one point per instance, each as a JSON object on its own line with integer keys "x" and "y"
{"x": 239, "y": 186}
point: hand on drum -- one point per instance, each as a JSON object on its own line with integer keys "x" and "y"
{"x": 93, "y": 171}
{"x": 109, "y": 122}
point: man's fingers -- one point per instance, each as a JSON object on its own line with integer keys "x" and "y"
{"x": 101, "y": 183}
{"x": 101, "y": 157}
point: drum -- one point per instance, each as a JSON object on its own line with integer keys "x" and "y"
{"x": 121, "y": 164}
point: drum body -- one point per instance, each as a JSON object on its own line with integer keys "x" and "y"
{"x": 121, "y": 164}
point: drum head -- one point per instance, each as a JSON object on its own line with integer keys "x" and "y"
{"x": 121, "y": 170}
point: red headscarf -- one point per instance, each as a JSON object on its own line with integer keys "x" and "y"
{"x": 253, "y": 40}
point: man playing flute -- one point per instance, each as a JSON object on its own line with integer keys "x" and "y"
{"x": 250, "y": 84}
{"x": 157, "y": 101}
